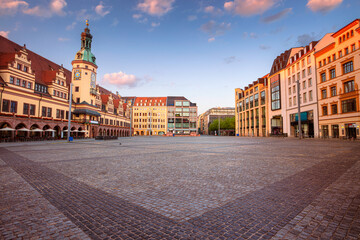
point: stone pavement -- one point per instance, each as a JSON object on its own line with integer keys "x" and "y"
{"x": 181, "y": 188}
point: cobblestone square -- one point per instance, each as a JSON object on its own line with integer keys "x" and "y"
{"x": 181, "y": 188}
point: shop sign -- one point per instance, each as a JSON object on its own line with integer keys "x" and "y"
{"x": 94, "y": 122}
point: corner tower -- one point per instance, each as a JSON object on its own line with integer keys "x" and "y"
{"x": 84, "y": 71}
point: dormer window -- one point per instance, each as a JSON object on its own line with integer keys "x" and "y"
{"x": 26, "y": 69}
{"x": 19, "y": 66}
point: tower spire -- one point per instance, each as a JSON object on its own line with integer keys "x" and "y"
{"x": 87, "y": 22}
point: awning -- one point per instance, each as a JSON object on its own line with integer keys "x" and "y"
{"x": 50, "y": 130}
{"x": 7, "y": 129}
{"x": 23, "y": 130}
{"x": 87, "y": 112}
{"x": 37, "y": 130}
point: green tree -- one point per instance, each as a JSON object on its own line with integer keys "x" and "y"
{"x": 225, "y": 124}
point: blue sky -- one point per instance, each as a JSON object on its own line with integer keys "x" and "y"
{"x": 200, "y": 49}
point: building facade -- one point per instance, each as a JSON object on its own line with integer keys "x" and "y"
{"x": 149, "y": 115}
{"x": 338, "y": 72}
{"x": 277, "y": 97}
{"x": 35, "y": 95}
{"x": 301, "y": 70}
{"x": 252, "y": 109}
{"x": 181, "y": 116}
{"x": 213, "y": 114}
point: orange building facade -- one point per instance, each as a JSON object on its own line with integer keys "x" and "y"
{"x": 338, "y": 73}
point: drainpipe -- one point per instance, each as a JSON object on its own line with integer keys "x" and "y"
{"x": 3, "y": 89}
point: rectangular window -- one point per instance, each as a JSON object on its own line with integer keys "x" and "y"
{"x": 76, "y": 89}
{"x": 289, "y": 90}
{"x": 289, "y": 79}
{"x": 309, "y": 70}
{"x": 262, "y": 97}
{"x": 348, "y": 67}
{"x": 308, "y": 59}
{"x": 304, "y": 97}
{"x": 346, "y": 51}
{"x": 57, "y": 113}
{"x": 348, "y": 105}
{"x": 323, "y": 93}
{"x": 329, "y": 59}
{"x": 332, "y": 73}
{"x": 19, "y": 66}
{"x": 298, "y": 76}
{"x": 78, "y": 101}
{"x": 251, "y": 101}
{"x": 334, "y": 109}
{"x": 62, "y": 113}
{"x": 334, "y": 57}
{"x": 333, "y": 91}
{"x": 49, "y": 110}
{"x": 29, "y": 85}
{"x": 11, "y": 80}
{"x": 13, "y": 107}
{"x": 26, "y": 109}
{"x": 294, "y": 100}
{"x": 324, "y": 110}
{"x": 26, "y": 69}
{"x": 43, "y": 112}
{"x": 304, "y": 84}
{"x": 18, "y": 81}
{"x": 32, "y": 109}
{"x": 289, "y": 102}
{"x": 275, "y": 98}
{"x": 256, "y": 96}
{"x": 340, "y": 54}
{"x": 303, "y": 73}
{"x": 353, "y": 47}
{"x": 310, "y": 82}
{"x": 6, "y": 105}
{"x": 349, "y": 86}
{"x": 23, "y": 83}
{"x": 323, "y": 77}
{"x": 310, "y": 95}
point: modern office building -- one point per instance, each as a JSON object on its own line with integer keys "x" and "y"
{"x": 252, "y": 109}
{"x": 277, "y": 98}
{"x": 301, "y": 70}
{"x": 338, "y": 72}
{"x": 214, "y": 114}
{"x": 181, "y": 116}
{"x": 35, "y": 94}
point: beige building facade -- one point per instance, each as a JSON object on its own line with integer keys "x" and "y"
{"x": 251, "y": 109}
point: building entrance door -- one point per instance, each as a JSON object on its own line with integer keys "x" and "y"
{"x": 350, "y": 130}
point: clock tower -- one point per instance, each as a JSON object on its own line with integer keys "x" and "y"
{"x": 84, "y": 71}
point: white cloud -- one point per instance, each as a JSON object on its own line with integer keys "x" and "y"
{"x": 250, "y": 35}
{"x": 55, "y": 7}
{"x": 323, "y": 6}
{"x": 215, "y": 29}
{"x": 249, "y": 7}
{"x": 10, "y": 7}
{"x": 211, "y": 39}
{"x": 121, "y": 79}
{"x": 5, "y": 34}
{"x": 102, "y": 10}
{"x": 213, "y": 10}
{"x": 60, "y": 39}
{"x": 264, "y": 47}
{"x": 154, "y": 24}
{"x": 155, "y": 7}
{"x": 71, "y": 26}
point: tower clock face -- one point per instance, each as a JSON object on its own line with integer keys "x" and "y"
{"x": 77, "y": 75}
{"x": 93, "y": 81}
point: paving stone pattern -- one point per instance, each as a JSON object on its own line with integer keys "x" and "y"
{"x": 285, "y": 191}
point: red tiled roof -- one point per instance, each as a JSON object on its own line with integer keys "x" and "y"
{"x": 116, "y": 103}
{"x": 150, "y": 101}
{"x": 104, "y": 98}
{"x": 104, "y": 91}
{"x": 39, "y": 64}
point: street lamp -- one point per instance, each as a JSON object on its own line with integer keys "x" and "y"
{"x": 299, "y": 111}
{"x": 69, "y": 120}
